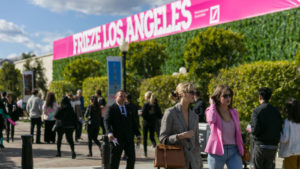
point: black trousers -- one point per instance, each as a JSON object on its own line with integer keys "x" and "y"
{"x": 38, "y": 123}
{"x": 151, "y": 129}
{"x": 1, "y": 134}
{"x": 263, "y": 158}
{"x": 116, "y": 151}
{"x": 78, "y": 130}
{"x": 69, "y": 137}
{"x": 102, "y": 126}
{"x": 10, "y": 129}
{"x": 93, "y": 136}
{"x": 49, "y": 135}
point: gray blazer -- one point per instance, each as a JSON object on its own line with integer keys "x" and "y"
{"x": 172, "y": 124}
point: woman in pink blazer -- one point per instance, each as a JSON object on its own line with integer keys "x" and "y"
{"x": 225, "y": 145}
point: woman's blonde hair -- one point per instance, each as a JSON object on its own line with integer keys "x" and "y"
{"x": 152, "y": 99}
{"x": 181, "y": 88}
{"x": 148, "y": 95}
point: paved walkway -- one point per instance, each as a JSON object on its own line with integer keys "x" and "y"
{"x": 44, "y": 154}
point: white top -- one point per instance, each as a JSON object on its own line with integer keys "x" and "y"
{"x": 290, "y": 139}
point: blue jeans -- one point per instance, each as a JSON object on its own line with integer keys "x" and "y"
{"x": 231, "y": 158}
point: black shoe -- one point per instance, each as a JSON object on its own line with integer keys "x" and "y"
{"x": 90, "y": 155}
{"x": 58, "y": 155}
{"x": 73, "y": 155}
{"x": 1, "y": 147}
{"x": 39, "y": 142}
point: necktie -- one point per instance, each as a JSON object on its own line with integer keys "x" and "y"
{"x": 123, "y": 111}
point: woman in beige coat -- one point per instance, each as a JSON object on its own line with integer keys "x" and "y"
{"x": 179, "y": 126}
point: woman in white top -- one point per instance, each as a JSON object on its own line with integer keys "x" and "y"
{"x": 290, "y": 136}
{"x": 49, "y": 110}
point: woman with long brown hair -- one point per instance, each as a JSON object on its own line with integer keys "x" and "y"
{"x": 49, "y": 110}
{"x": 225, "y": 144}
{"x": 290, "y": 136}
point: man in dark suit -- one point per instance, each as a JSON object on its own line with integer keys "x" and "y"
{"x": 266, "y": 125}
{"x": 199, "y": 107}
{"x": 121, "y": 126}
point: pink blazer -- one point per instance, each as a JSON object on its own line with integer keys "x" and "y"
{"x": 215, "y": 144}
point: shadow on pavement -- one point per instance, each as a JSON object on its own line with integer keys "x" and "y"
{"x": 4, "y": 160}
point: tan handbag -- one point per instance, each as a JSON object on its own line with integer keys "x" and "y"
{"x": 169, "y": 156}
{"x": 246, "y": 157}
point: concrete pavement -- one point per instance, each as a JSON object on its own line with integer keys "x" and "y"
{"x": 44, "y": 154}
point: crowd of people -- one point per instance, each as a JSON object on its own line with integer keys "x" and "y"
{"x": 178, "y": 125}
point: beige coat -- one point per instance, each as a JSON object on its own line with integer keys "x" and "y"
{"x": 172, "y": 124}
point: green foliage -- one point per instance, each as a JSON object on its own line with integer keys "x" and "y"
{"x": 90, "y": 85}
{"x": 11, "y": 79}
{"x": 133, "y": 87}
{"x": 298, "y": 56}
{"x": 161, "y": 87}
{"x": 82, "y": 68}
{"x": 39, "y": 73}
{"x": 212, "y": 50}
{"x": 61, "y": 88}
{"x": 268, "y": 37}
{"x": 245, "y": 80}
{"x": 28, "y": 55}
{"x": 145, "y": 58}
{"x": 100, "y": 56}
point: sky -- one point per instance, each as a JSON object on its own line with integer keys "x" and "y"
{"x": 32, "y": 25}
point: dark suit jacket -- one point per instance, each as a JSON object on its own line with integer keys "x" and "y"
{"x": 266, "y": 124}
{"x": 123, "y": 128}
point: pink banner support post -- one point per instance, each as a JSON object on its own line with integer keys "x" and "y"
{"x": 172, "y": 18}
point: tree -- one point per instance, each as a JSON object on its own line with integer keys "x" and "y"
{"x": 39, "y": 72}
{"x": 11, "y": 79}
{"x": 145, "y": 59}
{"x": 28, "y": 55}
{"x": 78, "y": 70}
{"x": 214, "y": 49}
{"x": 211, "y": 51}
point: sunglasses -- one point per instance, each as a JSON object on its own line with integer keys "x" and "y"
{"x": 191, "y": 92}
{"x": 225, "y": 96}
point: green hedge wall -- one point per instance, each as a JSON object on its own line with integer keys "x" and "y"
{"x": 269, "y": 37}
{"x": 281, "y": 76}
{"x": 90, "y": 85}
{"x": 61, "y": 88}
{"x": 161, "y": 87}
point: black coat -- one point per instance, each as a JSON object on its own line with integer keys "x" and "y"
{"x": 134, "y": 109}
{"x": 67, "y": 116}
{"x": 123, "y": 128}
{"x": 199, "y": 108}
{"x": 14, "y": 115}
{"x": 151, "y": 113}
{"x": 2, "y": 116}
{"x": 93, "y": 115}
{"x": 266, "y": 124}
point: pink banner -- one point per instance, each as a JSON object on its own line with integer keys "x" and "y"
{"x": 176, "y": 17}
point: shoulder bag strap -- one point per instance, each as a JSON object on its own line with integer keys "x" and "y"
{"x": 165, "y": 157}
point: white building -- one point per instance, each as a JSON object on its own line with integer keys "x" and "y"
{"x": 47, "y": 61}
